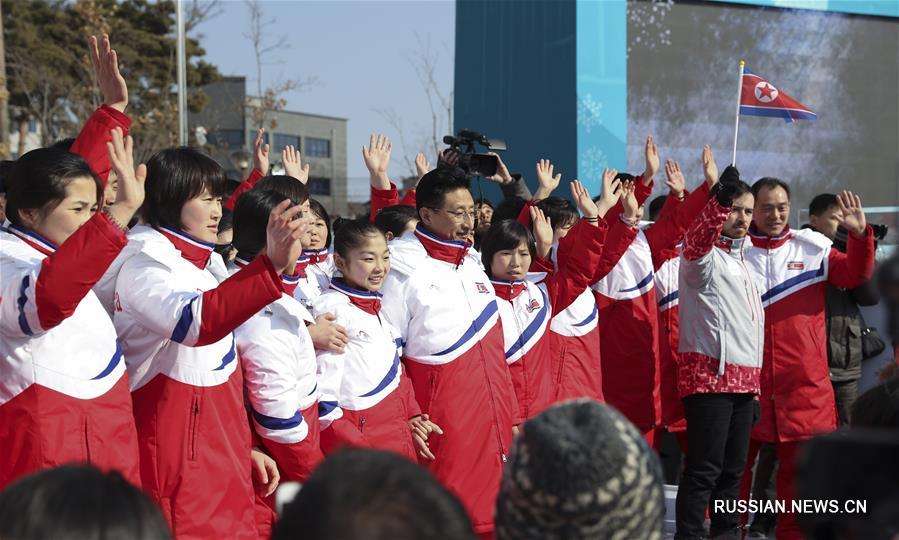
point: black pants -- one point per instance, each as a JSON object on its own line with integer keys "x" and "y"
{"x": 718, "y": 428}
{"x": 845, "y": 392}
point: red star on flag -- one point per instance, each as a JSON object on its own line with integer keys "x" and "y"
{"x": 766, "y": 90}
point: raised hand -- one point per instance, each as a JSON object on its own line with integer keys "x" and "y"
{"x": 282, "y": 235}
{"x": 260, "y": 153}
{"x": 421, "y": 165}
{"x": 130, "y": 194}
{"x": 651, "y": 152}
{"x": 676, "y": 183}
{"x": 106, "y": 68}
{"x": 709, "y": 167}
{"x": 583, "y": 200}
{"x": 293, "y": 164}
{"x": 611, "y": 191}
{"x": 502, "y": 175}
{"x": 265, "y": 471}
{"x": 377, "y": 157}
{"x": 546, "y": 182}
{"x": 543, "y": 231}
{"x": 629, "y": 204}
{"x": 854, "y": 219}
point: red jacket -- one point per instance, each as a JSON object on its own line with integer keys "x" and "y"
{"x": 91, "y": 141}
{"x": 793, "y": 269}
{"x": 382, "y": 198}
{"x": 628, "y": 313}
{"x": 445, "y": 308}
{"x": 526, "y": 311}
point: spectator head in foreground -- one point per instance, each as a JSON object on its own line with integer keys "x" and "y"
{"x": 78, "y": 502}
{"x": 358, "y": 494}
{"x": 878, "y": 407}
{"x": 581, "y": 470}
{"x": 853, "y": 477}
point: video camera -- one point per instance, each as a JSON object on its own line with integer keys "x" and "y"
{"x": 474, "y": 164}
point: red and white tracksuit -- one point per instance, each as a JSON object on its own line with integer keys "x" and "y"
{"x": 628, "y": 314}
{"x": 526, "y": 310}
{"x": 672, "y": 409}
{"x": 175, "y": 323}
{"x": 382, "y": 198}
{"x": 797, "y": 400}
{"x": 445, "y": 308}
{"x": 63, "y": 389}
{"x": 366, "y": 400}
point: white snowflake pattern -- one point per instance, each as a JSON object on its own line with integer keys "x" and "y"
{"x": 588, "y": 112}
{"x": 646, "y": 23}
{"x": 593, "y": 161}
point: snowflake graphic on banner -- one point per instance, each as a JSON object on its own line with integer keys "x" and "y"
{"x": 646, "y": 23}
{"x": 588, "y": 112}
{"x": 593, "y": 161}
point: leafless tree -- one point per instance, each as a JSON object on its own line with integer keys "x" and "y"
{"x": 265, "y": 48}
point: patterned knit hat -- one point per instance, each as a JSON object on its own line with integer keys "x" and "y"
{"x": 581, "y": 470}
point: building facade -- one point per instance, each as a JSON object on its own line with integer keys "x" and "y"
{"x": 228, "y": 124}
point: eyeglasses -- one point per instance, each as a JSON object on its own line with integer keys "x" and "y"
{"x": 459, "y": 215}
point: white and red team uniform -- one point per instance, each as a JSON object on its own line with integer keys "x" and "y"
{"x": 175, "y": 324}
{"x": 527, "y": 310}
{"x": 366, "y": 399}
{"x": 63, "y": 388}
{"x": 444, "y": 307}
{"x": 797, "y": 402}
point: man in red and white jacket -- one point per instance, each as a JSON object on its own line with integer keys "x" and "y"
{"x": 791, "y": 269}
{"x": 444, "y": 307}
{"x": 720, "y": 357}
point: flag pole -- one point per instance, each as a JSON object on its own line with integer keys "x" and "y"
{"x": 737, "y": 117}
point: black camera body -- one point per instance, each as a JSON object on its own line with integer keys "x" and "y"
{"x": 472, "y": 163}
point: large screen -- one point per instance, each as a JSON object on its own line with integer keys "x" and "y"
{"x": 682, "y": 80}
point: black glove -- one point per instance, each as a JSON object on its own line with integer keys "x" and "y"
{"x": 726, "y": 187}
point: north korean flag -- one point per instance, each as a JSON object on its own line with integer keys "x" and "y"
{"x": 758, "y": 97}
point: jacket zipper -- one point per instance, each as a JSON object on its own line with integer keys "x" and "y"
{"x": 499, "y": 439}
{"x": 194, "y": 422}
{"x": 524, "y": 370}
{"x": 362, "y": 424}
{"x": 87, "y": 442}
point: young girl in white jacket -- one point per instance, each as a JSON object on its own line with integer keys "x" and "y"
{"x": 366, "y": 399}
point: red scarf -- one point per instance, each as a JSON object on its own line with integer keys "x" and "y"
{"x": 194, "y": 251}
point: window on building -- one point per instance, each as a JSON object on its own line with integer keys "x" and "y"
{"x": 318, "y": 147}
{"x": 226, "y": 138}
{"x": 283, "y": 139}
{"x": 32, "y": 125}
{"x": 251, "y": 137}
{"x": 319, "y": 186}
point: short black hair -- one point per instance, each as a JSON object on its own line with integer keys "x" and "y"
{"x": 318, "y": 209}
{"x": 288, "y": 186}
{"x": 655, "y": 206}
{"x": 435, "y": 185}
{"x": 509, "y": 208}
{"x": 394, "y": 219}
{"x": 6, "y": 166}
{"x": 63, "y": 144}
{"x": 561, "y": 212}
{"x": 38, "y": 180}
{"x": 350, "y": 233}
{"x": 251, "y": 213}
{"x": 821, "y": 203}
{"x": 769, "y": 183}
{"x": 78, "y": 502}
{"x": 227, "y": 221}
{"x": 502, "y": 235}
{"x": 878, "y": 407}
{"x": 740, "y": 188}
{"x": 175, "y": 176}
{"x": 376, "y": 495}
{"x": 484, "y": 201}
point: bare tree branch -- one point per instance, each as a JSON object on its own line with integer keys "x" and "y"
{"x": 201, "y": 11}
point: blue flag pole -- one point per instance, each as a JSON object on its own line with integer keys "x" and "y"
{"x": 737, "y": 117}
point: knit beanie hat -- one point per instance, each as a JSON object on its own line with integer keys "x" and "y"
{"x": 581, "y": 470}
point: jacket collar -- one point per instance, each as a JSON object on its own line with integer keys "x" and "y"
{"x": 316, "y": 256}
{"x": 769, "y": 242}
{"x": 508, "y": 290}
{"x": 451, "y": 251}
{"x": 33, "y": 239}
{"x": 367, "y": 301}
{"x": 289, "y": 282}
{"x": 193, "y": 250}
{"x": 733, "y": 245}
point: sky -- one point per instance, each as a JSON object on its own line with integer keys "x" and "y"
{"x": 362, "y": 54}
